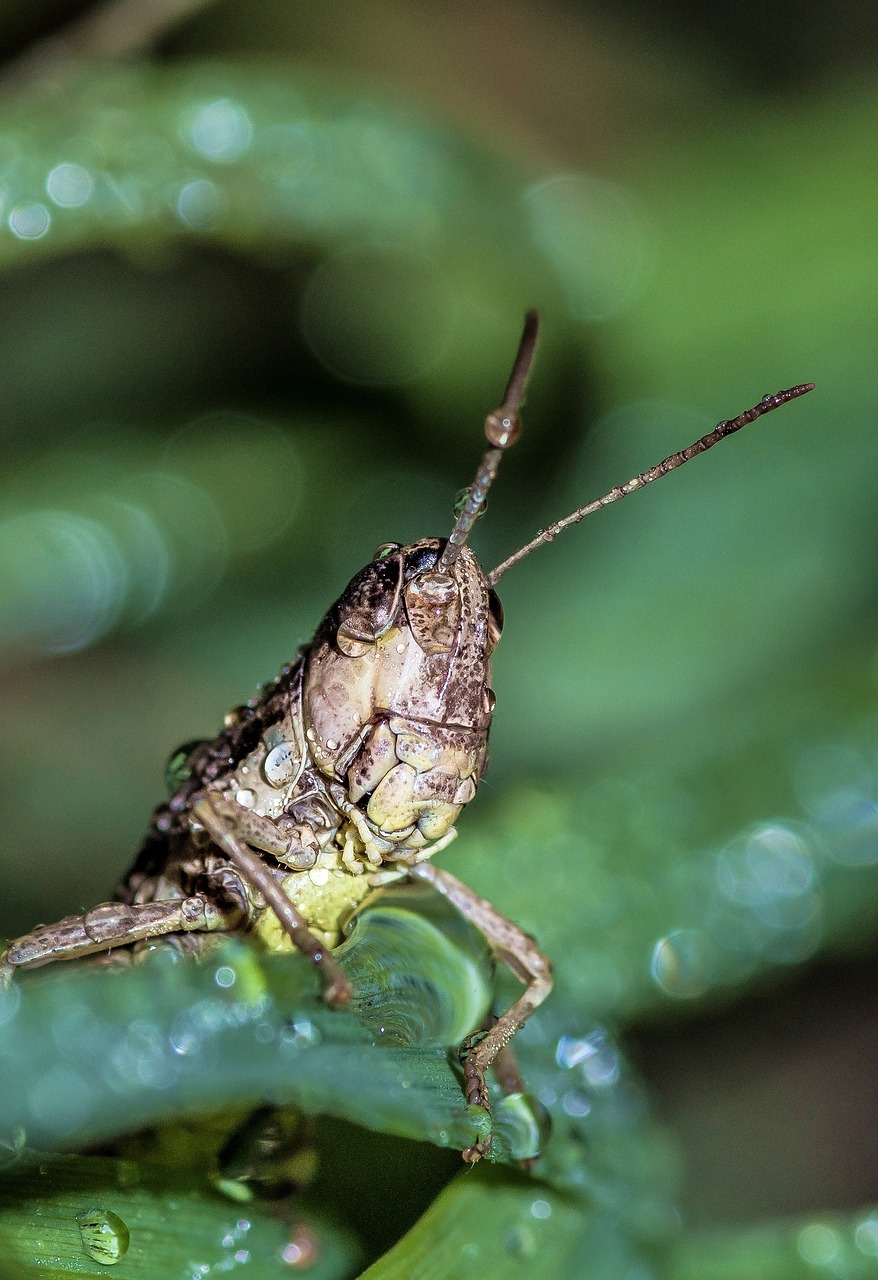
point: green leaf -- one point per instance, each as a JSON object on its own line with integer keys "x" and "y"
{"x": 489, "y": 1223}
{"x": 90, "y": 1053}
{"x": 600, "y": 1201}
{"x": 78, "y": 1215}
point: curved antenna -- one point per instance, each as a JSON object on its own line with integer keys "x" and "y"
{"x": 722, "y": 429}
{"x": 502, "y": 429}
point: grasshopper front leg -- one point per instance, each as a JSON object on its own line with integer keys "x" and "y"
{"x": 219, "y": 820}
{"x": 112, "y": 924}
{"x": 520, "y": 954}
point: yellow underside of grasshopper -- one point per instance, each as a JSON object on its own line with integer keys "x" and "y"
{"x": 326, "y": 898}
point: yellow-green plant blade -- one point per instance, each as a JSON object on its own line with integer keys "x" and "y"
{"x": 87, "y": 1216}
{"x": 490, "y": 1223}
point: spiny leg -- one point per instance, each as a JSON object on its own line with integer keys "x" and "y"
{"x": 505, "y": 1065}
{"x": 111, "y": 924}
{"x": 219, "y": 822}
{"x": 507, "y": 1073}
{"x": 520, "y": 954}
{"x": 295, "y": 846}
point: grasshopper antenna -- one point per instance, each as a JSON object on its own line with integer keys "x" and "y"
{"x": 722, "y": 429}
{"x": 502, "y": 429}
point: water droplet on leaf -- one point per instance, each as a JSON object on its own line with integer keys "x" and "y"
{"x": 105, "y": 1237}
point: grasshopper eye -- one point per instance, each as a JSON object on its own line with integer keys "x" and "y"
{"x": 368, "y": 607}
{"x": 495, "y": 620}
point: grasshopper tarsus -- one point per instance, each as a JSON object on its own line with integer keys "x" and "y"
{"x": 473, "y": 1154}
{"x": 475, "y": 1090}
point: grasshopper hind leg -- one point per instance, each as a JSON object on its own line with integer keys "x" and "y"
{"x": 107, "y": 926}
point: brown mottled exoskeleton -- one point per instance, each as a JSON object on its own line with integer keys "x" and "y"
{"x": 350, "y": 770}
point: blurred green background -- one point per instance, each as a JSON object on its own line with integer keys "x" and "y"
{"x": 263, "y": 272}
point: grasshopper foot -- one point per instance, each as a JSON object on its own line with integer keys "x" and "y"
{"x": 475, "y": 1090}
{"x": 474, "y": 1153}
{"x": 475, "y": 1087}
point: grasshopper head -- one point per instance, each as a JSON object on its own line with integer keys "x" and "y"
{"x": 397, "y": 695}
{"x": 397, "y": 692}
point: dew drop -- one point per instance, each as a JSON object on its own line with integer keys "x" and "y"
{"x": 201, "y": 204}
{"x": 280, "y": 764}
{"x": 220, "y": 131}
{"x": 594, "y": 1056}
{"x": 575, "y": 1104}
{"x": 105, "y": 1237}
{"x": 461, "y": 501}
{"x": 301, "y": 1032}
{"x": 246, "y": 797}
{"x": 682, "y": 963}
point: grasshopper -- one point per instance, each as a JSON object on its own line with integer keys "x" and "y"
{"x": 350, "y": 770}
